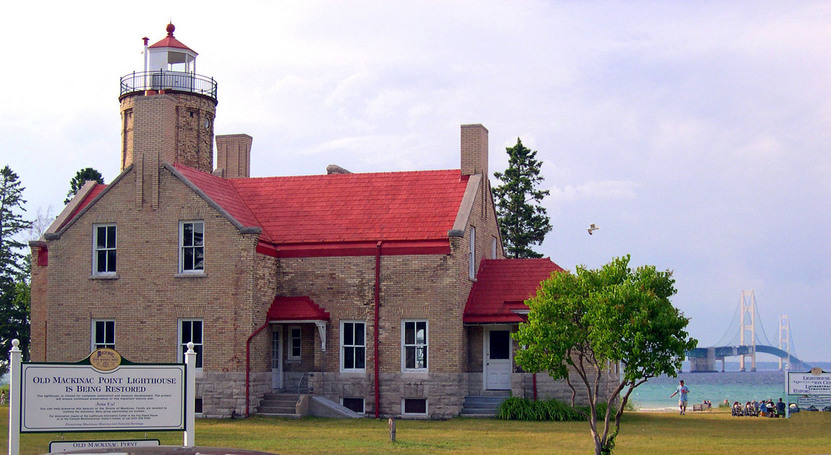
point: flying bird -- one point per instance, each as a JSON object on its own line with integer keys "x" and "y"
{"x": 592, "y": 228}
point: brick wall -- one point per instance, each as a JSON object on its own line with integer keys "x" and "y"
{"x": 149, "y": 296}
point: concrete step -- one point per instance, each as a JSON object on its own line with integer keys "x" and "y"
{"x": 279, "y": 404}
{"x": 482, "y": 405}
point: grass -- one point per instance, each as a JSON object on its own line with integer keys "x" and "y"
{"x": 641, "y": 433}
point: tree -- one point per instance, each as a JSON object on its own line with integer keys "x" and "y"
{"x": 80, "y": 178}
{"x": 586, "y": 321}
{"x": 522, "y": 220}
{"x": 14, "y": 290}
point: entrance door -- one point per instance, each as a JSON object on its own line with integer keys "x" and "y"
{"x": 497, "y": 359}
{"x": 276, "y": 358}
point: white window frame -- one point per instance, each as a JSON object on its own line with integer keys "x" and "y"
{"x": 426, "y": 407}
{"x": 425, "y": 346}
{"x": 109, "y": 329}
{"x": 199, "y": 346}
{"x": 471, "y": 270}
{"x": 291, "y": 343}
{"x": 493, "y": 247}
{"x": 182, "y": 247}
{"x": 106, "y": 249}
{"x": 344, "y": 346}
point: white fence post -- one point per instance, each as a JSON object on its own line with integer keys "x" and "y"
{"x": 190, "y": 394}
{"x": 15, "y": 356}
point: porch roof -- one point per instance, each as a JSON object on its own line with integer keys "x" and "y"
{"x": 501, "y": 288}
{"x": 300, "y": 308}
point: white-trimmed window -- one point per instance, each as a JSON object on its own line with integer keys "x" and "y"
{"x": 472, "y": 259}
{"x": 353, "y": 345}
{"x": 355, "y": 404}
{"x": 294, "y": 343}
{"x": 414, "y": 406}
{"x": 414, "y": 345}
{"x": 191, "y": 246}
{"x": 103, "y": 249}
{"x": 494, "y": 245}
{"x": 103, "y": 334}
{"x": 191, "y": 331}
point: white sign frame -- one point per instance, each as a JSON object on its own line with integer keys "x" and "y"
{"x": 77, "y": 398}
{"x": 808, "y": 383}
{"x": 107, "y": 360}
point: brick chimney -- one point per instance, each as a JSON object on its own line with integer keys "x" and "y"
{"x": 233, "y": 155}
{"x": 474, "y": 150}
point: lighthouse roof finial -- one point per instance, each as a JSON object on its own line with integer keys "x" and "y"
{"x": 170, "y": 29}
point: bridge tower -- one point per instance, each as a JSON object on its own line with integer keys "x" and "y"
{"x": 784, "y": 338}
{"x": 748, "y": 329}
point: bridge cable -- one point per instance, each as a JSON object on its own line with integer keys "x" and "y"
{"x": 722, "y": 341}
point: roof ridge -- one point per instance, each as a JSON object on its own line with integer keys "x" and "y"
{"x": 351, "y": 174}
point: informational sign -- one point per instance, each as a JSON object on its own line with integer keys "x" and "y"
{"x": 811, "y": 383}
{"x": 102, "y": 396}
{"x": 818, "y": 403}
{"x": 74, "y": 446}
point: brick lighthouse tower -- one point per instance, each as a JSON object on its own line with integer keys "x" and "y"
{"x": 167, "y": 115}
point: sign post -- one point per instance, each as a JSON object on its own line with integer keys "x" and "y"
{"x": 190, "y": 416}
{"x": 15, "y": 356}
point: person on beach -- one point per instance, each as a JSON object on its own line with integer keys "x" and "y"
{"x": 682, "y": 392}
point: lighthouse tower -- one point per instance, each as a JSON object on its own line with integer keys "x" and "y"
{"x": 167, "y": 115}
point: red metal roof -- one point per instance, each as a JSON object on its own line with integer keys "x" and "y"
{"x": 296, "y": 309}
{"x": 502, "y": 286}
{"x": 170, "y": 41}
{"x": 356, "y": 209}
{"x": 222, "y": 192}
{"x": 93, "y": 193}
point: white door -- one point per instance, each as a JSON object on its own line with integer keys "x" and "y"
{"x": 276, "y": 359}
{"x": 497, "y": 359}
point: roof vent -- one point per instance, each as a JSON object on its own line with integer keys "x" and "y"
{"x": 335, "y": 169}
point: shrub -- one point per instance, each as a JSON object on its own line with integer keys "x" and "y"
{"x": 515, "y": 408}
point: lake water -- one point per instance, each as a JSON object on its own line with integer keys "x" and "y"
{"x": 715, "y": 387}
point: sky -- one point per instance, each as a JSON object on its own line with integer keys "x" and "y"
{"x": 694, "y": 134}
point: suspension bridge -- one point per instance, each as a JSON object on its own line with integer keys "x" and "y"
{"x": 747, "y": 342}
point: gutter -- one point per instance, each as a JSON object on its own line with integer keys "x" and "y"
{"x": 248, "y": 367}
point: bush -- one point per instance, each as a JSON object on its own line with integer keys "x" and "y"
{"x": 515, "y": 408}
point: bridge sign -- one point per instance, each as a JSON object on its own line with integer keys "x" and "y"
{"x": 815, "y": 382}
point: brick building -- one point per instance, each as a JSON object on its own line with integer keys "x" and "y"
{"x": 387, "y": 293}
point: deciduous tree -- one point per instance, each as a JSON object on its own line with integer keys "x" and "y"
{"x": 522, "y": 220}
{"x": 586, "y": 322}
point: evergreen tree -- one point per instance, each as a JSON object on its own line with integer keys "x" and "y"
{"x": 80, "y": 178}
{"x": 14, "y": 290}
{"x": 522, "y": 220}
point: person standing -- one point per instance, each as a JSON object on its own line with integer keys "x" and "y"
{"x": 682, "y": 392}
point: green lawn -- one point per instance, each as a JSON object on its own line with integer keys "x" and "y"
{"x": 641, "y": 433}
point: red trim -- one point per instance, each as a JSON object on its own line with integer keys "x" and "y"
{"x": 492, "y": 318}
{"x": 43, "y": 257}
{"x": 391, "y": 248}
{"x": 300, "y": 308}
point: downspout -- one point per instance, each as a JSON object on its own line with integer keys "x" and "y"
{"x": 248, "y": 368}
{"x": 376, "y": 329}
{"x": 535, "y": 386}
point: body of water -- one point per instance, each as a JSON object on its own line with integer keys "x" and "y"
{"x": 715, "y": 387}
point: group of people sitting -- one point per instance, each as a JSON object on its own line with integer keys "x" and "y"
{"x": 759, "y": 409}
